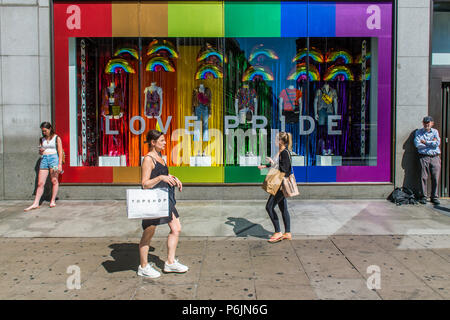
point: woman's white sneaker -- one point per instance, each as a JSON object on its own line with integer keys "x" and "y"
{"x": 148, "y": 271}
{"x": 175, "y": 267}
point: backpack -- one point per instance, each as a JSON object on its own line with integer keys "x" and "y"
{"x": 402, "y": 195}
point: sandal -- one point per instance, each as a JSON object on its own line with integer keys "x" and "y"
{"x": 274, "y": 239}
{"x": 52, "y": 205}
{"x": 30, "y": 208}
{"x": 287, "y": 236}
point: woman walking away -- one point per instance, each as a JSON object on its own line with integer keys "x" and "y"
{"x": 155, "y": 174}
{"x": 50, "y": 148}
{"x": 284, "y": 140}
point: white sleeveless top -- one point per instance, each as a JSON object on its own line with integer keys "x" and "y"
{"x": 49, "y": 146}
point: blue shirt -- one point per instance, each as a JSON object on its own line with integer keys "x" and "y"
{"x": 430, "y": 147}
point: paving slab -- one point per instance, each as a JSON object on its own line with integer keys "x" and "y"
{"x": 270, "y": 290}
{"x": 234, "y": 288}
{"x": 343, "y": 289}
{"x": 115, "y": 289}
{"x": 407, "y": 292}
{"x": 225, "y": 245}
{"x": 279, "y": 269}
{"x": 152, "y": 290}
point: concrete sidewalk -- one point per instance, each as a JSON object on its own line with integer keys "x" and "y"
{"x": 225, "y": 218}
{"x": 336, "y": 243}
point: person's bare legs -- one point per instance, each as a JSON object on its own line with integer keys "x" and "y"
{"x": 172, "y": 239}
{"x": 55, "y": 183}
{"x": 144, "y": 245}
{"x": 42, "y": 178}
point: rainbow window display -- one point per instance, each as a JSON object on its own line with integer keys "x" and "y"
{"x": 222, "y": 91}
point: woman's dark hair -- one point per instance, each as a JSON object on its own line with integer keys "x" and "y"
{"x": 48, "y": 125}
{"x": 152, "y": 135}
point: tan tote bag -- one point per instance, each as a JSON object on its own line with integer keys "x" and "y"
{"x": 289, "y": 185}
{"x": 273, "y": 180}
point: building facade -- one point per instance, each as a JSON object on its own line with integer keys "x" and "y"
{"x": 349, "y": 81}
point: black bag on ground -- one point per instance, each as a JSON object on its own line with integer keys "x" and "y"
{"x": 402, "y": 195}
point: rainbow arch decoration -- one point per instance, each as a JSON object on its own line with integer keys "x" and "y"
{"x": 338, "y": 73}
{"x": 208, "y": 71}
{"x": 269, "y": 53}
{"x": 254, "y": 72}
{"x": 206, "y": 54}
{"x": 334, "y": 56}
{"x": 159, "y": 63}
{"x": 299, "y": 72}
{"x": 314, "y": 54}
{"x": 117, "y": 65}
{"x": 131, "y": 51}
{"x": 162, "y": 45}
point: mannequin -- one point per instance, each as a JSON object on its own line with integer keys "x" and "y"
{"x": 290, "y": 104}
{"x": 325, "y": 104}
{"x": 114, "y": 112}
{"x": 112, "y": 102}
{"x": 201, "y": 108}
{"x": 153, "y": 101}
{"x": 246, "y": 104}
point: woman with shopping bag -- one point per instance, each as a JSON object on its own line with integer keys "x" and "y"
{"x": 273, "y": 185}
{"x": 155, "y": 174}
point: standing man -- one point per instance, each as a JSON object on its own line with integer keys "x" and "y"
{"x": 427, "y": 142}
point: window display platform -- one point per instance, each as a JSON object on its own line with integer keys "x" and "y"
{"x": 249, "y": 161}
{"x": 328, "y": 161}
{"x": 200, "y": 161}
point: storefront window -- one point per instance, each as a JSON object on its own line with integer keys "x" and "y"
{"x": 222, "y": 100}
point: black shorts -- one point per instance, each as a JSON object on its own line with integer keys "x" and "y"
{"x": 156, "y": 222}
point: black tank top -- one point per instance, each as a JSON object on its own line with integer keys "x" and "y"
{"x": 159, "y": 170}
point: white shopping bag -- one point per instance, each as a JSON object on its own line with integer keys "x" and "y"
{"x": 147, "y": 203}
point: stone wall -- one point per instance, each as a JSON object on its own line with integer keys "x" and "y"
{"x": 25, "y": 92}
{"x": 412, "y": 86}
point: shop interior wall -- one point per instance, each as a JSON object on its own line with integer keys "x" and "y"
{"x": 25, "y": 92}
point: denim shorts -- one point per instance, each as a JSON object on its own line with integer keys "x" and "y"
{"x": 49, "y": 161}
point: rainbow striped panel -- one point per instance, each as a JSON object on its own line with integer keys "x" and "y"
{"x": 195, "y": 19}
{"x": 253, "y": 19}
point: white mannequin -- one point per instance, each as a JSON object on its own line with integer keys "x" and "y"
{"x": 201, "y": 88}
{"x": 291, "y": 87}
{"x": 236, "y": 104}
{"x": 152, "y": 88}
{"x": 329, "y": 91}
{"x": 111, "y": 99}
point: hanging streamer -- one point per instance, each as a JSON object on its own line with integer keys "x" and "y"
{"x": 363, "y": 99}
{"x": 83, "y": 102}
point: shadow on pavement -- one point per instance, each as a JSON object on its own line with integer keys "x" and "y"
{"x": 443, "y": 210}
{"x": 126, "y": 257}
{"x": 411, "y": 165}
{"x": 244, "y": 228}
